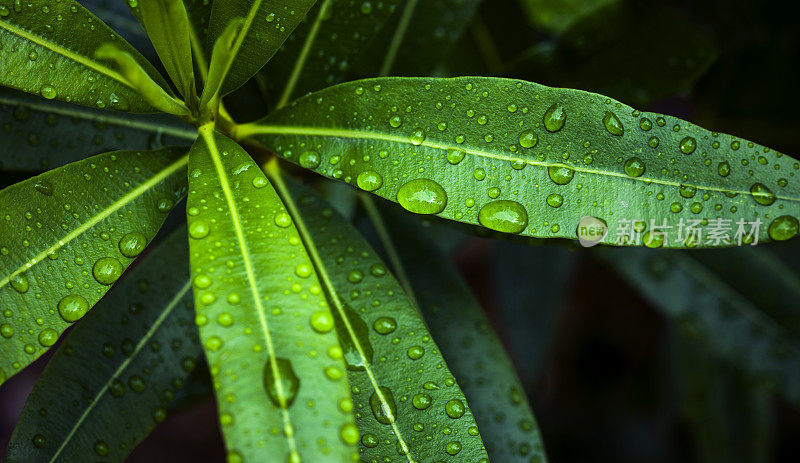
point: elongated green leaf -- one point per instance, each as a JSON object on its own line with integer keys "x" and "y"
{"x": 126, "y": 359}
{"x": 729, "y": 417}
{"x": 719, "y": 314}
{"x": 417, "y": 38}
{"x": 267, "y": 24}
{"x": 518, "y": 157}
{"x": 48, "y": 48}
{"x": 404, "y": 395}
{"x": 472, "y": 349}
{"x": 264, "y": 322}
{"x": 68, "y": 235}
{"x": 221, "y": 58}
{"x": 167, "y": 25}
{"x": 558, "y": 15}
{"x": 320, "y": 51}
{"x": 38, "y": 135}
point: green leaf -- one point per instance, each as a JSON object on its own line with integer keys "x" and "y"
{"x": 48, "y": 48}
{"x": 518, "y": 157}
{"x": 267, "y": 24}
{"x": 417, "y": 38}
{"x": 403, "y": 393}
{"x": 469, "y": 344}
{"x": 729, "y": 418}
{"x": 167, "y": 25}
{"x": 320, "y": 51}
{"x": 592, "y": 56}
{"x": 264, "y": 321}
{"x": 39, "y": 135}
{"x": 221, "y": 58}
{"x": 127, "y": 358}
{"x": 724, "y": 317}
{"x": 558, "y": 15}
{"x": 68, "y": 234}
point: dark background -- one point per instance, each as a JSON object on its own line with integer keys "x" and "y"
{"x": 597, "y": 361}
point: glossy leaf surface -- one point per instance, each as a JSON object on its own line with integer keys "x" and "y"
{"x": 520, "y": 158}
{"x": 39, "y": 135}
{"x": 68, "y": 234}
{"x": 725, "y": 318}
{"x": 123, "y": 363}
{"x": 321, "y": 50}
{"x": 403, "y": 393}
{"x": 264, "y": 321}
{"x": 469, "y": 344}
{"x": 267, "y": 24}
{"x": 49, "y": 50}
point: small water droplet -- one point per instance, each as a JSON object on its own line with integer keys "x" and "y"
{"x": 504, "y": 216}
{"x": 422, "y": 196}
{"x": 560, "y": 174}
{"x": 369, "y": 180}
{"x": 688, "y": 145}
{"x": 72, "y": 307}
{"x": 613, "y": 124}
{"x": 385, "y": 411}
{"x": 310, "y": 159}
{"x": 762, "y": 194}
{"x": 107, "y": 270}
{"x": 132, "y": 244}
{"x": 635, "y": 167}
{"x": 528, "y": 139}
{"x": 48, "y": 91}
{"x": 554, "y": 118}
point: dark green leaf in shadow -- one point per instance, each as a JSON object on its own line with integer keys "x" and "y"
{"x": 404, "y": 396}
{"x": 40, "y": 135}
{"x": 469, "y": 344}
{"x": 127, "y": 359}
{"x": 68, "y": 234}
{"x": 558, "y": 15}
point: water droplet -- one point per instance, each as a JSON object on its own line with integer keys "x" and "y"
{"x": 762, "y": 194}
{"x": 132, "y": 244}
{"x": 421, "y": 401}
{"x": 283, "y": 220}
{"x": 783, "y": 228}
{"x": 355, "y": 276}
{"x": 688, "y": 191}
{"x": 280, "y": 382}
{"x": 72, "y": 307}
{"x": 48, "y": 91}
{"x": 635, "y": 167}
{"x": 213, "y": 343}
{"x": 101, "y": 448}
{"x": 455, "y": 408}
{"x": 724, "y": 169}
{"x": 259, "y": 182}
{"x": 107, "y": 270}
{"x": 370, "y": 440}
{"x": 385, "y": 411}
{"x": 613, "y": 124}
{"x": 385, "y": 325}
{"x": 44, "y": 187}
{"x": 20, "y": 283}
{"x": 688, "y": 145}
{"x": 417, "y": 137}
{"x": 415, "y": 352}
{"x": 48, "y": 337}
{"x": 369, "y": 180}
{"x": 455, "y": 156}
{"x": 504, "y": 216}
{"x": 422, "y": 196}
{"x": 453, "y": 447}
{"x": 528, "y": 139}
{"x": 310, "y": 159}
{"x": 322, "y": 321}
{"x": 39, "y": 441}
{"x": 355, "y": 359}
{"x": 6, "y": 330}
{"x": 554, "y": 118}
{"x": 349, "y": 434}
{"x": 395, "y": 121}
{"x": 560, "y": 174}
{"x": 555, "y": 200}
{"x": 198, "y": 229}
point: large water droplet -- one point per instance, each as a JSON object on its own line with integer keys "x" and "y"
{"x": 107, "y": 270}
{"x": 385, "y": 411}
{"x": 455, "y": 408}
{"x": 613, "y": 124}
{"x": 528, "y": 139}
{"x": 762, "y": 194}
{"x": 369, "y": 180}
{"x": 422, "y": 196}
{"x": 417, "y": 137}
{"x": 554, "y": 118}
{"x": 354, "y": 360}
{"x": 635, "y": 167}
{"x": 310, "y": 159}
{"x": 783, "y": 228}
{"x": 20, "y": 283}
{"x": 199, "y": 229}
{"x": 72, "y": 307}
{"x": 455, "y": 156}
{"x": 560, "y": 174}
{"x": 48, "y": 91}
{"x": 385, "y": 325}
{"x": 504, "y": 216}
{"x": 132, "y": 244}
{"x": 688, "y": 145}
{"x": 281, "y": 385}
{"x": 44, "y": 187}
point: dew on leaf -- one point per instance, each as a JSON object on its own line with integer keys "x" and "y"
{"x": 422, "y": 196}
{"x": 280, "y": 382}
{"x": 504, "y": 216}
{"x": 554, "y": 118}
{"x": 72, "y": 307}
{"x": 385, "y": 411}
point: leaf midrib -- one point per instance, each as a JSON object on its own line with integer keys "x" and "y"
{"x": 326, "y": 280}
{"x": 251, "y": 129}
{"x": 207, "y": 132}
{"x": 149, "y": 334}
{"x": 69, "y": 54}
{"x": 248, "y": 22}
{"x": 108, "y": 117}
{"x": 97, "y": 218}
